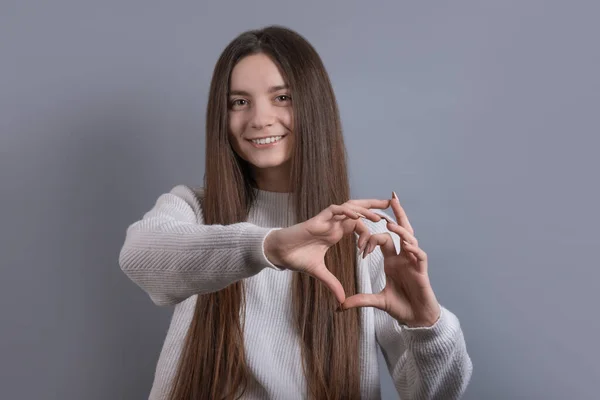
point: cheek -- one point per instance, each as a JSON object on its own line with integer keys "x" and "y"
{"x": 235, "y": 124}
{"x": 287, "y": 118}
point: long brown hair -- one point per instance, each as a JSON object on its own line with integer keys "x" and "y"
{"x": 212, "y": 364}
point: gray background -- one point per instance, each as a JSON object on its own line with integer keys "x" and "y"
{"x": 483, "y": 116}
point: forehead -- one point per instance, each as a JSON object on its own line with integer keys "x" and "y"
{"x": 256, "y": 72}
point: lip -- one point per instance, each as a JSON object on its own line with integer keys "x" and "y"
{"x": 263, "y": 146}
{"x": 264, "y": 137}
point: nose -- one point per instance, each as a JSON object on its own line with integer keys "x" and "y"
{"x": 263, "y": 115}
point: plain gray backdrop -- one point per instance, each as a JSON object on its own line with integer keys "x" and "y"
{"x": 482, "y": 116}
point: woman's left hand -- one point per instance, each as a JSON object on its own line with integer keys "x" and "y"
{"x": 407, "y": 296}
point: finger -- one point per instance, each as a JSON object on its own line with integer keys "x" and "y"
{"x": 383, "y": 240}
{"x": 332, "y": 283}
{"x": 340, "y": 217}
{"x": 364, "y": 234}
{"x": 358, "y": 227}
{"x": 338, "y": 211}
{"x": 371, "y": 203}
{"x": 415, "y": 250}
{"x": 355, "y": 215}
{"x": 364, "y": 300}
{"x": 386, "y": 218}
{"x": 365, "y": 212}
{"x": 405, "y": 238}
{"x": 404, "y": 233}
{"x": 400, "y": 214}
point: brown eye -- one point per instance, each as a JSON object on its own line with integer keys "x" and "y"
{"x": 283, "y": 97}
{"x": 239, "y": 102}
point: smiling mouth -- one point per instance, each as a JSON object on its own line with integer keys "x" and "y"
{"x": 267, "y": 140}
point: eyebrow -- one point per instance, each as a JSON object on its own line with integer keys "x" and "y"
{"x": 272, "y": 89}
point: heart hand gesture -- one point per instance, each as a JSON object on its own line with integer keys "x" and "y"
{"x": 407, "y": 296}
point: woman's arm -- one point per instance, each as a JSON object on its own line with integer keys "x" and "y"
{"x": 425, "y": 363}
{"x": 172, "y": 255}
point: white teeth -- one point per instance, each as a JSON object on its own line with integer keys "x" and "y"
{"x": 267, "y": 140}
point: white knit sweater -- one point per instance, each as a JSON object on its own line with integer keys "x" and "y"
{"x": 173, "y": 257}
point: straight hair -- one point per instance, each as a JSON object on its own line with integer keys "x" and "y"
{"x": 212, "y": 363}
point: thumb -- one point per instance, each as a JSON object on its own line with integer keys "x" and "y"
{"x": 332, "y": 283}
{"x": 364, "y": 300}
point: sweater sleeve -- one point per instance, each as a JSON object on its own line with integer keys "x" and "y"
{"x": 426, "y": 362}
{"x": 172, "y": 255}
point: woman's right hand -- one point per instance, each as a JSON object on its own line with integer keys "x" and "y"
{"x": 302, "y": 247}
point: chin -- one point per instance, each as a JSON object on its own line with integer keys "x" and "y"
{"x": 263, "y": 163}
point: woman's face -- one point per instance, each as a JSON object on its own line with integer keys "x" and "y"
{"x": 260, "y": 107}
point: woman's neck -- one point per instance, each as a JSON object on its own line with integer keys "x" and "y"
{"x": 273, "y": 179}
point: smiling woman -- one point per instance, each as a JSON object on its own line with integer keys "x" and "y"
{"x": 260, "y": 120}
{"x": 260, "y": 258}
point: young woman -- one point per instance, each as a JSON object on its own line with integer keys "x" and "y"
{"x": 283, "y": 287}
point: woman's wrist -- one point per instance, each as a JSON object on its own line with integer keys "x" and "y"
{"x": 271, "y": 247}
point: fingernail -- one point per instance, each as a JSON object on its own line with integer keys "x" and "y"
{"x": 395, "y": 196}
{"x": 385, "y": 217}
{"x": 360, "y": 215}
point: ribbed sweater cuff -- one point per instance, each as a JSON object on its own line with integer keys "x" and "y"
{"x": 433, "y": 338}
{"x": 257, "y": 239}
